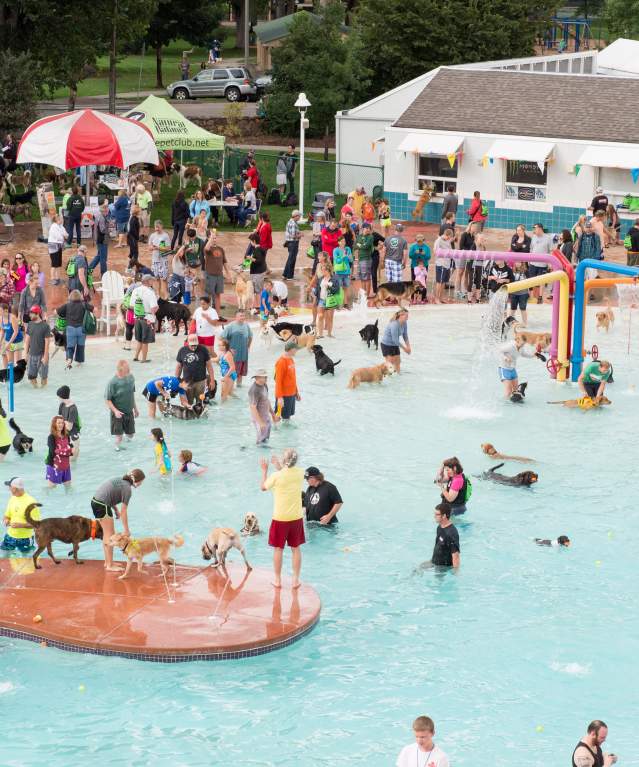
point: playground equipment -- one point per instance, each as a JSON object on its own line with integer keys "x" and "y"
{"x": 563, "y": 30}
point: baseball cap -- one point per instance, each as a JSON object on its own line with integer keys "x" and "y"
{"x": 312, "y": 471}
{"x": 260, "y": 373}
{"x": 147, "y": 277}
{"x": 16, "y": 482}
{"x": 35, "y": 309}
{"x": 295, "y": 213}
{"x": 290, "y": 344}
{"x": 64, "y": 392}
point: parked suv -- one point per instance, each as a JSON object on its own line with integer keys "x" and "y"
{"x": 233, "y": 83}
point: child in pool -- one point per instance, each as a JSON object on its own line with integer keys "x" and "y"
{"x": 421, "y": 276}
{"x": 59, "y": 452}
{"x": 563, "y": 540}
{"x": 162, "y": 455}
{"x": 265, "y": 302}
{"x": 188, "y": 465}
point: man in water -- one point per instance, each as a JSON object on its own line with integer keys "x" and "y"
{"x": 446, "y": 550}
{"x": 321, "y": 500}
{"x": 594, "y": 377}
{"x": 423, "y": 751}
{"x": 588, "y": 752}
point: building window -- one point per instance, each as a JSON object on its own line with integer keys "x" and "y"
{"x": 435, "y": 170}
{"x": 525, "y": 182}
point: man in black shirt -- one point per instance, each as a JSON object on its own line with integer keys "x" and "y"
{"x": 446, "y": 551}
{"x": 195, "y": 368}
{"x": 599, "y": 201}
{"x": 377, "y": 240}
{"x": 321, "y": 500}
{"x": 633, "y": 250}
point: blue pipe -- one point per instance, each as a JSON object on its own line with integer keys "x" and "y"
{"x": 577, "y": 357}
{"x": 11, "y": 403}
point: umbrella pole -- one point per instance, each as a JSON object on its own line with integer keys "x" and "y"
{"x": 87, "y": 190}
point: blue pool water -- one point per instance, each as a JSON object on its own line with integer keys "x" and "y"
{"x": 511, "y": 656}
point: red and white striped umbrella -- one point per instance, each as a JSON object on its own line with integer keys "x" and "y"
{"x": 87, "y": 137}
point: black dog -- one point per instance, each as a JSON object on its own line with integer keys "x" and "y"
{"x": 296, "y": 328}
{"x": 175, "y": 312}
{"x": 59, "y": 340}
{"x": 323, "y": 362}
{"x": 19, "y": 369}
{"x": 21, "y": 199}
{"x": 21, "y": 443}
{"x": 523, "y": 479}
{"x": 370, "y": 334}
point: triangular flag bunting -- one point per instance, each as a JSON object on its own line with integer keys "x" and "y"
{"x": 634, "y": 172}
{"x": 484, "y": 161}
{"x": 451, "y": 159}
{"x": 577, "y": 169}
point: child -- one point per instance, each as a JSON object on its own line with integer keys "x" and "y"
{"x": 265, "y": 302}
{"x": 500, "y": 274}
{"x": 280, "y": 292}
{"x": 68, "y": 410}
{"x": 342, "y": 264}
{"x": 188, "y": 465}
{"x": 34, "y": 268}
{"x": 563, "y": 540}
{"x": 368, "y": 211}
{"x": 189, "y": 285}
{"x": 227, "y": 368}
{"x": 384, "y": 215}
{"x": 421, "y": 276}
{"x": 19, "y": 533}
{"x": 59, "y": 451}
{"x": 162, "y": 455}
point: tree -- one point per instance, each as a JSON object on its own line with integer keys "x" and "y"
{"x": 402, "y": 39}
{"x": 18, "y": 91}
{"x": 319, "y": 60}
{"x": 621, "y": 17}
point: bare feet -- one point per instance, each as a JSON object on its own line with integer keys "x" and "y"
{"x": 113, "y": 568}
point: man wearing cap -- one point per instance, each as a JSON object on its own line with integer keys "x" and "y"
{"x": 395, "y": 255}
{"x": 599, "y": 201}
{"x": 261, "y": 411}
{"x": 36, "y": 347}
{"x": 145, "y": 306}
{"x": 292, "y": 241}
{"x": 19, "y": 533}
{"x": 321, "y": 500}
{"x": 69, "y": 411}
{"x": 286, "y": 392}
{"x": 195, "y": 368}
{"x": 79, "y": 279}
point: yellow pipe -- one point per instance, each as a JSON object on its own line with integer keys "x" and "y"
{"x": 562, "y": 329}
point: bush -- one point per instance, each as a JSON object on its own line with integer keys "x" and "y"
{"x": 18, "y": 91}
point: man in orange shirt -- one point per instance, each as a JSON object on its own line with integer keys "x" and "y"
{"x": 286, "y": 393}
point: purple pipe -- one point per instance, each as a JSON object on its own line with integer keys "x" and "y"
{"x": 511, "y": 258}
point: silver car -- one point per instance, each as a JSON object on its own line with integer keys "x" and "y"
{"x": 234, "y": 83}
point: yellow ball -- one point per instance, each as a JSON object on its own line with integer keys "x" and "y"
{"x": 37, "y": 619}
{"x": 597, "y": 563}
{"x": 610, "y": 534}
{"x": 81, "y": 688}
{"x": 539, "y": 728}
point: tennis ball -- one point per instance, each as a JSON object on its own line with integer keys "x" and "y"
{"x": 610, "y": 534}
{"x": 37, "y": 619}
{"x": 539, "y": 728}
{"x": 346, "y": 550}
{"x": 81, "y": 688}
{"x": 597, "y": 563}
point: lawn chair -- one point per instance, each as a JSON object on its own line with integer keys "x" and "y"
{"x": 112, "y": 288}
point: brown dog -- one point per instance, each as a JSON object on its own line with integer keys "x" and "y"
{"x": 302, "y": 340}
{"x": 218, "y": 543}
{"x": 72, "y": 530}
{"x": 605, "y": 319}
{"x": 135, "y": 549}
{"x": 585, "y": 403}
{"x": 424, "y": 199}
{"x": 374, "y": 374}
{"x": 542, "y": 340}
{"x": 492, "y": 452}
{"x": 396, "y": 291}
{"x": 244, "y": 292}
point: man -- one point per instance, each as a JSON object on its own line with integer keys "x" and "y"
{"x": 594, "y": 377}
{"x": 36, "y": 347}
{"x": 423, "y": 752}
{"x": 599, "y": 201}
{"x": 321, "y": 500}
{"x": 378, "y": 246}
{"x": 292, "y": 241}
{"x": 101, "y": 238}
{"x": 165, "y": 387}
{"x": 206, "y": 320}
{"x": 19, "y": 533}
{"x": 588, "y": 752}
{"x": 588, "y": 244}
{"x": 195, "y": 368}
{"x": 240, "y": 337}
{"x": 287, "y": 525}
{"x": 160, "y": 245}
{"x": 262, "y": 414}
{"x": 450, "y": 204}
{"x": 78, "y": 271}
{"x": 631, "y": 243}
{"x": 144, "y": 200}
{"x": 145, "y": 307}
{"x": 363, "y": 252}
{"x": 74, "y": 209}
{"x": 120, "y": 399}
{"x": 540, "y": 242}
{"x": 286, "y": 392}
{"x": 215, "y": 267}
{"x": 446, "y": 550}
{"x": 395, "y": 255}
{"x": 246, "y": 161}
{"x": 443, "y": 263}
{"x": 229, "y": 194}
{"x": 291, "y": 162}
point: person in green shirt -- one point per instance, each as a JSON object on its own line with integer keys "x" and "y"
{"x": 594, "y": 377}
{"x": 364, "y": 247}
{"x": 418, "y": 250}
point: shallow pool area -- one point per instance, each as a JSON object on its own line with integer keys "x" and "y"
{"x": 511, "y": 656}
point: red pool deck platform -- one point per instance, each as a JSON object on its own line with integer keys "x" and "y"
{"x": 207, "y": 616}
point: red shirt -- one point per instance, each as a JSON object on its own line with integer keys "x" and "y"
{"x": 266, "y": 235}
{"x": 253, "y": 175}
{"x": 329, "y": 240}
{"x": 474, "y": 212}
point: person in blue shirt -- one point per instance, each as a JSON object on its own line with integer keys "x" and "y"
{"x": 198, "y": 203}
{"x": 418, "y": 250}
{"x": 394, "y": 333}
{"x": 342, "y": 266}
{"x": 165, "y": 386}
{"x": 265, "y": 302}
{"x": 122, "y": 213}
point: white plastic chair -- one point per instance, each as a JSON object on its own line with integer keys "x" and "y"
{"x": 112, "y": 289}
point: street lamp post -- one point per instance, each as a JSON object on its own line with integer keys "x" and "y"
{"x": 302, "y": 104}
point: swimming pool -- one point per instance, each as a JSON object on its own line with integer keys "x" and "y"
{"x": 511, "y": 656}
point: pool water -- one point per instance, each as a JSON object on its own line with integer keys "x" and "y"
{"x": 511, "y": 656}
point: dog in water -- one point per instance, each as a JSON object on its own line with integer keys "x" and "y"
{"x": 73, "y": 529}
{"x": 251, "y": 525}
{"x": 135, "y": 549}
{"x": 605, "y": 319}
{"x": 306, "y": 339}
{"x": 375, "y": 374}
{"x": 323, "y": 363}
{"x": 21, "y": 443}
{"x": 218, "y": 544}
{"x": 523, "y": 479}
{"x": 19, "y": 369}
{"x": 370, "y": 334}
{"x": 176, "y": 313}
{"x": 491, "y": 451}
{"x": 583, "y": 403}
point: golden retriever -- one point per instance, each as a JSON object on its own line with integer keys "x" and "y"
{"x": 491, "y": 451}
{"x": 373, "y": 374}
{"x": 218, "y": 543}
{"x": 251, "y": 525}
{"x": 605, "y": 319}
{"x": 303, "y": 340}
{"x": 542, "y": 340}
{"x": 135, "y": 549}
{"x": 244, "y": 292}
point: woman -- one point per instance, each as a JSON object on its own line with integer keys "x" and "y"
{"x": 133, "y": 235}
{"x": 394, "y": 333}
{"x": 33, "y": 295}
{"x": 519, "y": 298}
{"x": 257, "y": 269}
{"x": 249, "y": 205}
{"x": 19, "y": 272}
{"x": 59, "y": 452}
{"x": 179, "y": 216}
{"x": 176, "y": 278}
{"x": 520, "y": 242}
{"x": 579, "y": 227}
{"x": 464, "y": 284}
{"x": 327, "y": 300}
{"x": 567, "y": 246}
{"x": 13, "y": 336}
{"x": 613, "y": 225}
{"x": 34, "y": 268}
{"x": 330, "y": 214}
{"x": 7, "y": 289}
{"x": 104, "y": 505}
{"x": 198, "y": 204}
{"x": 55, "y": 243}
{"x": 211, "y": 194}
{"x": 265, "y": 231}
{"x": 329, "y": 237}
{"x": 73, "y": 312}
{"x": 455, "y": 487}
{"x": 228, "y": 372}
{"x": 476, "y": 211}
{"x": 121, "y": 214}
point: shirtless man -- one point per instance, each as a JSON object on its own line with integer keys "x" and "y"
{"x": 588, "y": 752}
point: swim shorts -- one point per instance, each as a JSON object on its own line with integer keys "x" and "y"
{"x": 507, "y": 374}
{"x": 281, "y": 533}
{"x": 100, "y": 509}
{"x": 9, "y": 543}
{"x": 390, "y": 351}
{"x": 123, "y": 425}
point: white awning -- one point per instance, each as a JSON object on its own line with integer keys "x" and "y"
{"x": 610, "y": 157}
{"x": 529, "y": 151}
{"x": 443, "y": 144}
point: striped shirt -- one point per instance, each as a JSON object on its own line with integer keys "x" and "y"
{"x": 292, "y": 230}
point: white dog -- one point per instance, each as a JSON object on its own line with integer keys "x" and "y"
{"x": 218, "y": 543}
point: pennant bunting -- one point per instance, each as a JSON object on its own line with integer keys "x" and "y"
{"x": 451, "y": 160}
{"x": 577, "y": 169}
{"x": 634, "y": 172}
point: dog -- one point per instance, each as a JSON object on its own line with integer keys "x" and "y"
{"x": 218, "y": 543}
{"x": 265, "y": 335}
{"x": 176, "y": 313}
{"x": 302, "y": 340}
{"x": 59, "y": 341}
{"x": 188, "y": 174}
{"x": 74, "y": 530}
{"x": 370, "y": 334}
{"x": 323, "y": 363}
{"x": 12, "y": 179}
{"x": 135, "y": 549}
{"x": 584, "y": 403}
{"x": 375, "y": 374}
{"x": 251, "y": 525}
{"x": 120, "y": 323}
{"x": 396, "y": 291}
{"x": 605, "y": 319}
{"x": 244, "y": 292}
{"x": 199, "y": 409}
{"x": 21, "y": 443}
{"x": 19, "y": 369}
{"x": 491, "y": 451}
{"x": 428, "y": 192}
{"x": 523, "y": 479}
{"x": 540, "y": 340}
{"x": 25, "y": 198}
{"x": 294, "y": 328}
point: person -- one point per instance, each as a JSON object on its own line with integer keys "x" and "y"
{"x": 121, "y": 214}
{"x": 363, "y": 250}
{"x": 228, "y": 374}
{"x": 179, "y": 216}
{"x": 292, "y": 239}
{"x": 566, "y": 246}
{"x": 588, "y": 245}
{"x": 215, "y": 267}
{"x": 631, "y": 244}
{"x": 211, "y": 192}
{"x": 520, "y": 242}
{"x": 423, "y": 752}
{"x": 13, "y": 337}
{"x": 36, "y": 347}
{"x": 330, "y": 214}
{"x": 328, "y": 299}
{"x": 165, "y": 387}
{"x": 253, "y": 174}
{"x": 594, "y": 377}
{"x": 500, "y": 274}
{"x": 450, "y": 205}
{"x": 477, "y": 211}
{"x": 101, "y": 230}
{"x": 561, "y": 541}
{"x": 442, "y": 264}
{"x": 599, "y": 202}
{"x": 418, "y": 250}
{"x": 421, "y": 281}
{"x": 185, "y": 66}
{"x": 358, "y": 198}
{"x": 34, "y": 271}
{"x": 133, "y": 235}
{"x": 446, "y": 552}
{"x": 195, "y": 368}
{"x": 257, "y": 267}
{"x": 19, "y": 272}
{"x": 69, "y": 411}
{"x": 265, "y": 307}
{"x": 206, "y": 319}
{"x": 287, "y": 525}
{"x": 519, "y": 298}
{"x": 59, "y": 452}
{"x": 262, "y": 414}
{"x": 280, "y": 176}
{"x": 188, "y": 465}
{"x": 159, "y": 245}
{"x": 509, "y": 353}
{"x": 322, "y": 500}
{"x": 55, "y": 243}
{"x": 265, "y": 231}
{"x": 598, "y": 222}
{"x": 199, "y": 204}
{"x": 395, "y": 247}
{"x": 347, "y": 208}
{"x": 145, "y": 307}
{"x": 330, "y": 237}
{"x": 291, "y": 162}
{"x": 249, "y": 205}
{"x": 454, "y": 485}
{"x": 540, "y": 242}
{"x": 240, "y": 337}
{"x": 578, "y": 227}
{"x": 78, "y": 272}
{"x": 32, "y": 295}
{"x": 75, "y": 208}
{"x": 384, "y": 216}
{"x": 588, "y": 752}
{"x": 73, "y": 314}
{"x": 161, "y": 452}
{"x": 19, "y": 533}
{"x": 104, "y": 505}
{"x": 5, "y": 435}
{"x": 144, "y": 200}
{"x": 286, "y": 391}
{"x": 342, "y": 267}
{"x": 120, "y": 400}
{"x": 613, "y": 225}
{"x": 229, "y": 195}
{"x": 394, "y": 333}
{"x": 7, "y": 290}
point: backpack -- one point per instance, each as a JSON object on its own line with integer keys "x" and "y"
{"x": 89, "y": 324}
{"x": 60, "y": 324}
{"x": 484, "y": 209}
{"x": 310, "y": 252}
{"x": 138, "y": 309}
{"x": 274, "y": 197}
{"x": 291, "y": 200}
{"x": 469, "y": 488}
{"x": 71, "y": 268}
{"x": 627, "y": 242}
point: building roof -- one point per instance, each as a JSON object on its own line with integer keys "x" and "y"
{"x": 275, "y": 29}
{"x": 622, "y": 55}
{"x": 485, "y": 101}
